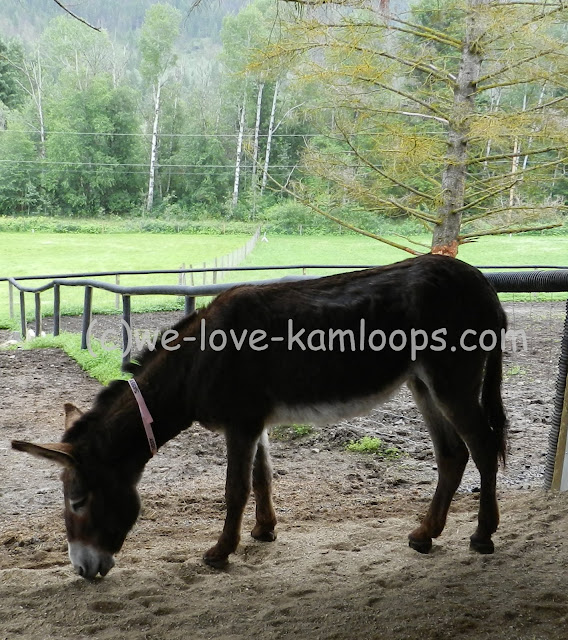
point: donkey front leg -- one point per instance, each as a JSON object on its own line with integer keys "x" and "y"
{"x": 241, "y": 449}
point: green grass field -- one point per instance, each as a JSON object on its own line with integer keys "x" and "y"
{"x": 351, "y": 249}
{"x": 44, "y": 253}
{"x": 57, "y": 253}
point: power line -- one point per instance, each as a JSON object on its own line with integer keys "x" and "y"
{"x": 200, "y": 135}
{"x": 133, "y": 164}
{"x": 163, "y": 135}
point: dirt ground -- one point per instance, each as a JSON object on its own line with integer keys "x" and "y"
{"x": 340, "y": 568}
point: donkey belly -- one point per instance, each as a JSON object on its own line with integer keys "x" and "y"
{"x": 329, "y": 411}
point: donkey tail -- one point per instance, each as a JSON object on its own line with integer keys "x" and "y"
{"x": 492, "y": 400}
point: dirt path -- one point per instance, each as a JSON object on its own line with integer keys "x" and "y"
{"x": 340, "y": 568}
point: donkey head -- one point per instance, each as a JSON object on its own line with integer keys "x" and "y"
{"x": 100, "y": 508}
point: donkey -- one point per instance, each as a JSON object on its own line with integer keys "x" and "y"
{"x": 312, "y": 351}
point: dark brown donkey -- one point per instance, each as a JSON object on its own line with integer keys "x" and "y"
{"x": 310, "y": 351}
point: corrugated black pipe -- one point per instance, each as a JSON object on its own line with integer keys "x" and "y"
{"x": 543, "y": 281}
{"x": 554, "y": 432}
{"x": 529, "y": 281}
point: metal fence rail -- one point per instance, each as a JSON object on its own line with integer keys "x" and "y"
{"x": 504, "y": 282}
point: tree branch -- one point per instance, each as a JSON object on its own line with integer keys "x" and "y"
{"x": 408, "y": 96}
{"x": 382, "y": 173}
{"x": 73, "y": 15}
{"x": 506, "y": 231}
{"x": 344, "y": 224}
{"x": 516, "y": 63}
{"x": 501, "y": 156}
{"x": 486, "y": 196}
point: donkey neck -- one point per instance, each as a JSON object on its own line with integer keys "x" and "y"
{"x": 112, "y": 432}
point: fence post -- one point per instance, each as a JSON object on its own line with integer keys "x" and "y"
{"x": 191, "y": 276}
{"x": 37, "y": 297}
{"x": 126, "y": 330}
{"x": 23, "y": 324}
{"x": 56, "y": 309}
{"x": 215, "y": 272}
{"x": 189, "y": 305}
{"x": 117, "y": 295}
{"x": 87, "y": 314}
{"x": 205, "y": 272}
{"x": 11, "y": 299}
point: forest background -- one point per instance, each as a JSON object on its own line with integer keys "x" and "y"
{"x": 445, "y": 117}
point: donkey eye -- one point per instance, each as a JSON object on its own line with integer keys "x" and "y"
{"x": 77, "y": 505}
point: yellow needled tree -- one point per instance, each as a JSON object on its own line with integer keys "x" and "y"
{"x": 452, "y": 114}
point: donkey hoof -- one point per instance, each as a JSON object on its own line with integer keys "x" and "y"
{"x": 423, "y": 545}
{"x": 214, "y": 559}
{"x": 263, "y": 536}
{"x": 481, "y": 546}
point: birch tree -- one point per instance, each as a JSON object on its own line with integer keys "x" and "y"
{"x": 157, "y": 47}
{"x": 428, "y": 113}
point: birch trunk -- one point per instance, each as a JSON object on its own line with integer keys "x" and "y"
{"x": 256, "y": 134}
{"x": 34, "y": 75}
{"x": 171, "y": 150}
{"x": 239, "y": 156}
{"x": 38, "y": 97}
{"x": 445, "y": 238}
{"x": 154, "y": 150}
{"x": 514, "y": 169}
{"x": 269, "y": 138}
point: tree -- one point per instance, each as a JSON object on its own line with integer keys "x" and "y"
{"x": 157, "y": 39}
{"x": 11, "y": 92}
{"x": 256, "y": 91}
{"x": 18, "y": 172}
{"x": 90, "y": 145}
{"x": 415, "y": 126}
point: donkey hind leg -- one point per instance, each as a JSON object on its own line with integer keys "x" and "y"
{"x": 262, "y": 489}
{"x": 451, "y": 457}
{"x": 241, "y": 450}
{"x": 462, "y": 408}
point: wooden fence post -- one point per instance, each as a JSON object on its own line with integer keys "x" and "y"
{"x": 126, "y": 330}
{"x": 56, "y": 309}
{"x": 11, "y": 299}
{"x": 23, "y": 325}
{"x": 189, "y": 305}
{"x": 87, "y": 315}
{"x": 117, "y": 295}
{"x": 37, "y": 297}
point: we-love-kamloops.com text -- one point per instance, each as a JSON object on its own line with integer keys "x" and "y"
{"x": 329, "y": 339}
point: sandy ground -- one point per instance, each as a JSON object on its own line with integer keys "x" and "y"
{"x": 340, "y": 568}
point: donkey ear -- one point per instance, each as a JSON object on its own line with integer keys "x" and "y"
{"x": 60, "y": 452}
{"x": 72, "y": 414}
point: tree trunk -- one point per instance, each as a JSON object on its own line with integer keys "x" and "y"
{"x": 154, "y": 150}
{"x": 171, "y": 150}
{"x": 239, "y": 156}
{"x": 269, "y": 139}
{"x": 39, "y": 103}
{"x": 256, "y": 134}
{"x": 445, "y": 238}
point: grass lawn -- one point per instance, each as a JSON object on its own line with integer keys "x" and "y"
{"x": 34, "y": 253}
{"x": 56, "y": 253}
{"x": 349, "y": 249}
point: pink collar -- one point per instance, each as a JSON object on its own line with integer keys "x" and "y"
{"x": 146, "y": 417}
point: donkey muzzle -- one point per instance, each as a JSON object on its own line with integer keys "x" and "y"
{"x": 88, "y": 561}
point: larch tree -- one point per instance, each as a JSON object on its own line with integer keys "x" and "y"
{"x": 453, "y": 115}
